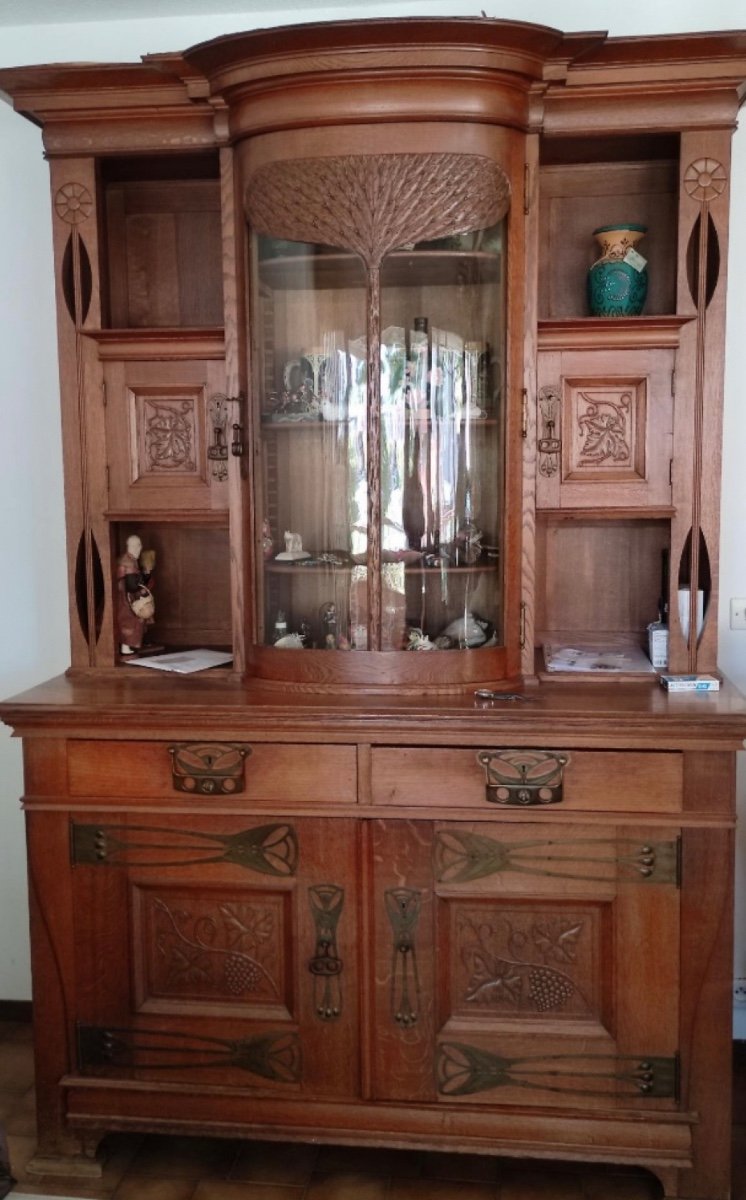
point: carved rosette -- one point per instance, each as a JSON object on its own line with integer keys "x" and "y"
{"x": 704, "y": 179}
{"x": 73, "y": 203}
{"x": 372, "y": 204}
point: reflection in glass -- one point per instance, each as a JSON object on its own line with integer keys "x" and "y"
{"x": 314, "y": 527}
{"x": 439, "y": 458}
{"x": 441, "y": 444}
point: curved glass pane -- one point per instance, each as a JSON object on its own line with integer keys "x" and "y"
{"x": 442, "y": 395}
{"x": 312, "y": 489}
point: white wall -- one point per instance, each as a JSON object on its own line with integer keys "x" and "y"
{"x": 33, "y": 608}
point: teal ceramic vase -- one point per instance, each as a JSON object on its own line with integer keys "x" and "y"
{"x": 618, "y": 280}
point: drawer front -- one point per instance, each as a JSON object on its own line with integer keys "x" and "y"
{"x": 253, "y": 771}
{"x": 606, "y": 781}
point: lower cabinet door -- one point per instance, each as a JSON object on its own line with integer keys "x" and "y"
{"x": 518, "y": 963}
{"x": 217, "y": 949}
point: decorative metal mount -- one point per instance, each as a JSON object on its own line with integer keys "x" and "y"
{"x": 269, "y": 849}
{"x": 327, "y": 901}
{"x": 463, "y": 1070}
{"x": 208, "y": 768}
{"x": 523, "y": 777}
{"x": 274, "y": 1055}
{"x": 217, "y": 451}
{"x": 549, "y": 445}
{"x": 461, "y": 856}
{"x": 403, "y": 907}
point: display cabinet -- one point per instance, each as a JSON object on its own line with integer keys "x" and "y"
{"x": 336, "y": 411}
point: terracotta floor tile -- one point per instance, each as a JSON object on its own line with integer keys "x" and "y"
{"x": 274, "y": 1162}
{"x": 441, "y": 1189}
{"x": 155, "y": 1189}
{"x": 184, "y": 1157}
{"x": 346, "y": 1186}
{"x": 228, "y": 1189}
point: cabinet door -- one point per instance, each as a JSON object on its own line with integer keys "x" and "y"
{"x": 604, "y": 425}
{"x": 160, "y": 421}
{"x": 521, "y": 964}
{"x": 217, "y": 949}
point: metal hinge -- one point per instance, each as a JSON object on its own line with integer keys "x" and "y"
{"x": 522, "y": 626}
{"x": 524, "y": 413}
{"x": 526, "y": 189}
{"x": 670, "y": 472}
{"x": 673, "y": 382}
{"x": 103, "y": 393}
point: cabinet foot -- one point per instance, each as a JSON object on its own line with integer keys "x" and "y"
{"x": 83, "y": 1164}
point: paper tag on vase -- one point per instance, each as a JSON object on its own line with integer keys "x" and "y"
{"x": 635, "y": 259}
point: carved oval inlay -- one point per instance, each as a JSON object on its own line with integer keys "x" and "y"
{"x": 373, "y": 204}
{"x": 705, "y": 178}
{"x": 73, "y": 203}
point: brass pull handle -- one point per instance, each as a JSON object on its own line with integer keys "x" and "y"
{"x": 521, "y": 778}
{"x": 549, "y": 445}
{"x": 208, "y": 768}
{"x": 403, "y": 907}
{"x": 326, "y": 901}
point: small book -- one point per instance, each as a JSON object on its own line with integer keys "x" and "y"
{"x": 690, "y": 683}
{"x": 183, "y": 662}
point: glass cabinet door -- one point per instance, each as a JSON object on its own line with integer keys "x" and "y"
{"x": 313, "y": 438}
{"x": 441, "y": 444}
{"x": 378, "y": 366}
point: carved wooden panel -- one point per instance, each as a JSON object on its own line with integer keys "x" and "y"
{"x": 514, "y": 961}
{"x": 605, "y": 429}
{"x": 372, "y": 204}
{"x": 167, "y": 434}
{"x": 205, "y": 948}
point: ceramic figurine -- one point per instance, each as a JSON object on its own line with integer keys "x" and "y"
{"x": 135, "y": 607}
{"x": 293, "y": 551}
{"x": 467, "y": 631}
{"x": 417, "y": 640}
{"x": 328, "y": 615}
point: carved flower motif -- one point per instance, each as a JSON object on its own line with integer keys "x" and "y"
{"x": 73, "y": 203}
{"x": 705, "y": 179}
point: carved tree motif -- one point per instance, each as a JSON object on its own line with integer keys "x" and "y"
{"x": 375, "y": 203}
{"x": 169, "y": 428}
{"x": 604, "y": 428}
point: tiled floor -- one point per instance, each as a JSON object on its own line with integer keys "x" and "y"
{"x": 178, "y": 1168}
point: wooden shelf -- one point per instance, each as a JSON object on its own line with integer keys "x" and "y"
{"x": 177, "y": 343}
{"x": 416, "y": 268}
{"x": 289, "y": 568}
{"x": 617, "y": 333}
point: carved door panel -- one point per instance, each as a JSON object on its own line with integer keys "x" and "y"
{"x": 219, "y": 949}
{"x": 519, "y": 963}
{"x": 161, "y": 421}
{"x": 604, "y": 428}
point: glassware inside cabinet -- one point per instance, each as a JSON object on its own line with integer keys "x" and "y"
{"x": 442, "y": 443}
{"x": 313, "y": 531}
{"x": 381, "y": 508}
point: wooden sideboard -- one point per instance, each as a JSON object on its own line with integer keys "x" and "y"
{"x": 324, "y": 288}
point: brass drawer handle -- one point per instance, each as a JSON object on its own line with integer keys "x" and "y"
{"x": 208, "y": 768}
{"x": 523, "y": 777}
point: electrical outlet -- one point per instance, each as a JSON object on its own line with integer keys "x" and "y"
{"x": 738, "y": 613}
{"x": 739, "y": 993}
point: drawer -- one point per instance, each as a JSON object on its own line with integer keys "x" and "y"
{"x": 600, "y": 781}
{"x": 267, "y": 771}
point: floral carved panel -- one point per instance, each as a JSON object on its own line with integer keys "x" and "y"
{"x": 604, "y": 424}
{"x": 209, "y": 948}
{"x": 167, "y": 434}
{"x": 523, "y": 962}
